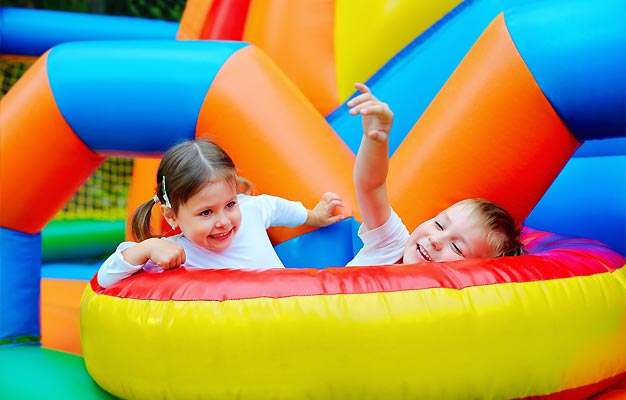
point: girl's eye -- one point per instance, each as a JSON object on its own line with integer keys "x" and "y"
{"x": 439, "y": 226}
{"x": 231, "y": 204}
{"x": 457, "y": 250}
{"x": 206, "y": 212}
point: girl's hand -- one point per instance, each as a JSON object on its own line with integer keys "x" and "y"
{"x": 163, "y": 253}
{"x": 168, "y": 255}
{"x": 322, "y": 213}
{"x": 377, "y": 116}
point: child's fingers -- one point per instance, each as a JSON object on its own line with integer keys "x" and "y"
{"x": 371, "y": 109}
{"x": 362, "y": 87}
{"x": 368, "y": 107}
{"x": 366, "y": 93}
{"x": 174, "y": 262}
{"x": 331, "y": 201}
{"x": 335, "y": 218}
{"x": 360, "y": 99}
{"x": 171, "y": 257}
{"x": 328, "y": 196}
{"x": 335, "y": 203}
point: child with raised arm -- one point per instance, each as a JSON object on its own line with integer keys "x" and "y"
{"x": 471, "y": 228}
{"x": 196, "y": 185}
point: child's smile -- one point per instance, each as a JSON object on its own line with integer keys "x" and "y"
{"x": 423, "y": 252}
{"x": 456, "y": 233}
{"x": 211, "y": 217}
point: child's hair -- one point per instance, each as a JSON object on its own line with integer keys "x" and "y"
{"x": 504, "y": 234}
{"x": 185, "y": 169}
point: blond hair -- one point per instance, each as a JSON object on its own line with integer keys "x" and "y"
{"x": 504, "y": 234}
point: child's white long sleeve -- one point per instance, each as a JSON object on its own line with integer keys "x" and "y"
{"x": 115, "y": 268}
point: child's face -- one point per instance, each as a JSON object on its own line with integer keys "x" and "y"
{"x": 211, "y": 217}
{"x": 454, "y": 234}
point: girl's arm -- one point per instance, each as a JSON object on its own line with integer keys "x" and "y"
{"x": 164, "y": 253}
{"x": 372, "y": 163}
{"x": 277, "y": 211}
{"x": 130, "y": 257}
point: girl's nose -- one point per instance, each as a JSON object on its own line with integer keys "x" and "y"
{"x": 222, "y": 220}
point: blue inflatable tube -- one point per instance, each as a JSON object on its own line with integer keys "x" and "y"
{"x": 118, "y": 99}
{"x": 31, "y": 32}
{"x": 19, "y": 303}
{"x": 578, "y": 203}
{"x": 567, "y": 45}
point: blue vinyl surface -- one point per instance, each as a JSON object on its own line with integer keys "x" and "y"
{"x": 139, "y": 97}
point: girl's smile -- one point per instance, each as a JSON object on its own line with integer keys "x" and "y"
{"x": 211, "y": 217}
{"x": 223, "y": 236}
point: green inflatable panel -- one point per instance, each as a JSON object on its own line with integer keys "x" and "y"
{"x": 32, "y": 372}
{"x": 81, "y": 239}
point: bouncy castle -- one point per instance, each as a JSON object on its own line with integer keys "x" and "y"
{"x": 520, "y": 102}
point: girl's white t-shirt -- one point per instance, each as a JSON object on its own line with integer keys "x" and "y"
{"x": 251, "y": 247}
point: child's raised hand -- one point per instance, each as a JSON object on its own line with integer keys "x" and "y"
{"x": 165, "y": 254}
{"x": 322, "y": 213}
{"x": 377, "y": 116}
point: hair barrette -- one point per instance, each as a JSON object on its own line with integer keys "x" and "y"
{"x": 167, "y": 200}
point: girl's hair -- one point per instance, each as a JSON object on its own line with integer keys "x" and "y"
{"x": 184, "y": 170}
{"x": 504, "y": 233}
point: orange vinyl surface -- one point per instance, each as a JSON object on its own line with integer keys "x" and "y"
{"x": 60, "y": 314}
{"x": 193, "y": 19}
{"x": 442, "y": 159}
{"x": 27, "y": 140}
{"x": 308, "y": 60}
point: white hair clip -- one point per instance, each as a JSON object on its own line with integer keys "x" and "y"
{"x": 167, "y": 200}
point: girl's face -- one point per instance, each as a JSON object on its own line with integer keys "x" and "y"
{"x": 210, "y": 218}
{"x": 456, "y": 233}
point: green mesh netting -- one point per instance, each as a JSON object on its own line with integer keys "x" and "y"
{"x": 170, "y": 10}
{"x": 12, "y": 69}
{"x": 103, "y": 196}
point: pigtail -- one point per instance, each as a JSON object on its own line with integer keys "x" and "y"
{"x": 140, "y": 223}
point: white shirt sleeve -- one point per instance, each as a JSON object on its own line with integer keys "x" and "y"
{"x": 115, "y": 268}
{"x": 383, "y": 245}
{"x": 276, "y": 211}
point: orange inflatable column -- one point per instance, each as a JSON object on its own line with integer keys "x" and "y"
{"x": 43, "y": 162}
{"x": 213, "y": 19}
{"x": 193, "y": 19}
{"x": 490, "y": 132}
{"x": 274, "y": 134}
{"x": 60, "y": 314}
{"x": 300, "y": 37}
